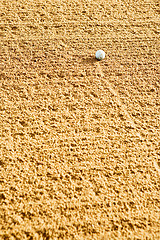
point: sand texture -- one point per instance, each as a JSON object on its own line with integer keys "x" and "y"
{"x": 80, "y": 138}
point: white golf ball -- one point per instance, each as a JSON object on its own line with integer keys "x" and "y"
{"x": 100, "y": 54}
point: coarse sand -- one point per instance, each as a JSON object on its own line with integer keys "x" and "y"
{"x": 80, "y": 138}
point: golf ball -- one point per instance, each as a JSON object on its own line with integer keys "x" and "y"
{"x": 100, "y": 54}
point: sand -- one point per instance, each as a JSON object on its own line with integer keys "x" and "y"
{"x": 80, "y": 138}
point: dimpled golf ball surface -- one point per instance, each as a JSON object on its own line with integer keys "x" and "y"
{"x": 100, "y": 54}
